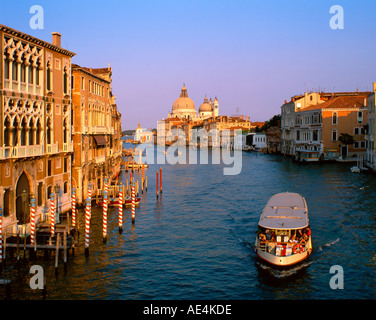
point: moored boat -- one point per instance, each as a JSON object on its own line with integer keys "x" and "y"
{"x": 283, "y": 236}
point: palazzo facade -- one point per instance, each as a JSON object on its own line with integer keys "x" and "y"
{"x": 35, "y": 117}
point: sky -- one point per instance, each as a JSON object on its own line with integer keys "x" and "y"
{"x": 251, "y": 55}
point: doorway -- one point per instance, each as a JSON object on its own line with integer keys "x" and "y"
{"x": 22, "y": 200}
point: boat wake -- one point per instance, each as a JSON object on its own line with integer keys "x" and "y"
{"x": 328, "y": 244}
{"x": 283, "y": 273}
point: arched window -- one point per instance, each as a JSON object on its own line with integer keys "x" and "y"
{"x": 49, "y": 191}
{"x": 49, "y": 131}
{"x": 7, "y": 132}
{"x": 48, "y": 76}
{"x": 38, "y": 133}
{"x": 15, "y": 67}
{"x": 31, "y": 133}
{"x": 6, "y": 69}
{"x": 65, "y": 80}
{"x": 65, "y": 131}
{"x": 334, "y": 118}
{"x": 15, "y": 132}
{"x": 66, "y": 187}
{"x": 334, "y": 135}
{"x": 23, "y": 132}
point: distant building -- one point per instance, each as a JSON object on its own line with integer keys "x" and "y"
{"x": 35, "y": 117}
{"x": 318, "y": 129}
{"x": 371, "y": 130}
{"x": 143, "y": 135}
{"x": 96, "y": 130}
{"x": 288, "y": 109}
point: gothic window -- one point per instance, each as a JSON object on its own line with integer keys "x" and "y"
{"x": 40, "y": 194}
{"x": 49, "y": 131}
{"x": 49, "y": 76}
{"x": 65, "y": 80}
{"x": 7, "y": 132}
{"x": 6, "y": 68}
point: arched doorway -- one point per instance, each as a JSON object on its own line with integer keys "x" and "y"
{"x": 22, "y": 200}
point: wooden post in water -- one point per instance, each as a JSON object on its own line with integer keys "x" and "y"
{"x": 18, "y": 243}
{"x": 104, "y": 216}
{"x": 74, "y": 207}
{"x": 65, "y": 251}
{"x": 121, "y": 208}
{"x": 146, "y": 183}
{"x": 157, "y": 185}
{"x": 160, "y": 176}
{"x": 87, "y": 225}
{"x": 57, "y": 253}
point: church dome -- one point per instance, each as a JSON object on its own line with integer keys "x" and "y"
{"x": 206, "y": 106}
{"x": 183, "y": 103}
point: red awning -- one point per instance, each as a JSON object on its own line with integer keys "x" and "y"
{"x": 100, "y": 140}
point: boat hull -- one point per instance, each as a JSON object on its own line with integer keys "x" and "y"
{"x": 284, "y": 261}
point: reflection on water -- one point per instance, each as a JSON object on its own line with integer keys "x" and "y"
{"x": 196, "y": 241}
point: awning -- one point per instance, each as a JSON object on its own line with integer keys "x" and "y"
{"x": 100, "y": 140}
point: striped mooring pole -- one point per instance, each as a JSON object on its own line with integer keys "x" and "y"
{"x": 89, "y": 195}
{"x": 73, "y": 207}
{"x": 52, "y": 214}
{"x": 133, "y": 205}
{"x": 121, "y": 208}
{"x": 87, "y": 225}
{"x": 105, "y": 216}
{"x": 32, "y": 221}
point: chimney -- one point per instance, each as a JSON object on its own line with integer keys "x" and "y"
{"x": 56, "y": 39}
{"x": 374, "y": 87}
{"x": 365, "y": 102}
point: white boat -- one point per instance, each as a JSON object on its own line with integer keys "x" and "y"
{"x": 283, "y": 236}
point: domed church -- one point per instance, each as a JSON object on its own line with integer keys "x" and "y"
{"x": 184, "y": 107}
{"x": 208, "y": 108}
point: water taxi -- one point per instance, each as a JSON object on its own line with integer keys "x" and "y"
{"x": 283, "y": 235}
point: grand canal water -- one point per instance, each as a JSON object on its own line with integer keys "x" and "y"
{"x": 196, "y": 241}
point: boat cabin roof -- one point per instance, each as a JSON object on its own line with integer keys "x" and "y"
{"x": 285, "y": 211}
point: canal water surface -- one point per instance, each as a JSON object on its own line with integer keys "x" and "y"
{"x": 196, "y": 241}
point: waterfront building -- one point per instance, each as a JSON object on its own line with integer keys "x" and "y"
{"x": 143, "y": 135}
{"x": 96, "y": 125}
{"x": 273, "y": 139}
{"x": 371, "y": 132}
{"x": 318, "y": 129}
{"x": 35, "y": 117}
{"x": 288, "y": 109}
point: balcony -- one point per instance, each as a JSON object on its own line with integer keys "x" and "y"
{"x": 68, "y": 147}
{"x": 100, "y": 159}
{"x": 21, "y": 152}
{"x": 52, "y": 148}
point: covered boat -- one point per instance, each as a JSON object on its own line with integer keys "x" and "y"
{"x": 283, "y": 235}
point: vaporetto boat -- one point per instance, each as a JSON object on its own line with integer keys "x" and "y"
{"x": 283, "y": 235}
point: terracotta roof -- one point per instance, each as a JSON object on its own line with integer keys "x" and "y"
{"x": 343, "y": 102}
